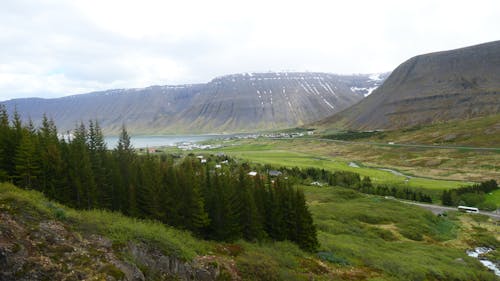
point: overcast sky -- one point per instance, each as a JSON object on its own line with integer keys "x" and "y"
{"x": 55, "y": 48}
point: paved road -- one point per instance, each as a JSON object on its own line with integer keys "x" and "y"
{"x": 436, "y": 209}
{"x": 413, "y": 145}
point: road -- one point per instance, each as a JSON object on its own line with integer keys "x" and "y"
{"x": 413, "y": 145}
{"x": 436, "y": 209}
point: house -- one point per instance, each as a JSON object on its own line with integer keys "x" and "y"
{"x": 218, "y": 166}
{"x": 203, "y": 161}
{"x": 252, "y": 173}
{"x": 274, "y": 173}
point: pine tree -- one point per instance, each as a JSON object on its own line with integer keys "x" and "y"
{"x": 51, "y": 161}
{"x": 196, "y": 218}
{"x": 250, "y": 221}
{"x": 81, "y": 176}
{"x": 446, "y": 198}
{"x": 125, "y": 157}
{"x": 5, "y": 133}
{"x": 306, "y": 236}
{"x": 26, "y": 164}
{"x": 98, "y": 159}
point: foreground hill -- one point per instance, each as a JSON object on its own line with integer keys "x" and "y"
{"x": 442, "y": 86}
{"x": 233, "y": 103}
{"x": 42, "y": 240}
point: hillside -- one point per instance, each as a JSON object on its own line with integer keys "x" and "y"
{"x": 42, "y": 240}
{"x": 233, "y": 103}
{"x": 449, "y": 85}
{"x": 474, "y": 132}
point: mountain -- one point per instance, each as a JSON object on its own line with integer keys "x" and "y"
{"x": 232, "y": 103}
{"x": 443, "y": 86}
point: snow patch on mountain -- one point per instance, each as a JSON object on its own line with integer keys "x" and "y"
{"x": 375, "y": 76}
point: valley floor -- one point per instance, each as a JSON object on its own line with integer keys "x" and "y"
{"x": 427, "y": 167}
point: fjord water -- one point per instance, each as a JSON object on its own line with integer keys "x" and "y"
{"x": 155, "y": 141}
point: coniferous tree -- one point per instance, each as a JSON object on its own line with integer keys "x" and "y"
{"x": 251, "y": 227}
{"x": 124, "y": 154}
{"x": 26, "y": 164}
{"x": 5, "y": 136}
{"x": 98, "y": 159}
{"x": 172, "y": 193}
{"x": 193, "y": 205}
{"x": 306, "y": 236}
{"x": 51, "y": 161}
{"x": 81, "y": 176}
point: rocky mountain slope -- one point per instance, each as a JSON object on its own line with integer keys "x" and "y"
{"x": 442, "y": 86}
{"x": 233, "y": 103}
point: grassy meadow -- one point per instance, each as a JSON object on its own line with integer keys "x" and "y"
{"x": 291, "y": 153}
{"x": 494, "y": 198}
{"x": 397, "y": 242}
{"x": 434, "y": 169}
{"x": 476, "y": 132}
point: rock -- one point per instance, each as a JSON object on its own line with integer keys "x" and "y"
{"x": 450, "y": 137}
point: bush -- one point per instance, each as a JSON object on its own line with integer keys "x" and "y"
{"x": 57, "y": 212}
{"x": 330, "y": 257}
{"x": 488, "y": 206}
{"x": 412, "y": 233}
{"x": 255, "y": 266}
{"x": 383, "y": 233}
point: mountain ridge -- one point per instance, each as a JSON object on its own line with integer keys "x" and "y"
{"x": 440, "y": 86}
{"x": 231, "y": 103}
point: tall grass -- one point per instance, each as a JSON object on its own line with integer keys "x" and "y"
{"x": 119, "y": 228}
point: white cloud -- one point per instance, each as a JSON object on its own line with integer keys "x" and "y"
{"x": 54, "y": 48}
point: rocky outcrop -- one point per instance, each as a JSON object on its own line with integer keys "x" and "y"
{"x": 232, "y": 103}
{"x": 42, "y": 249}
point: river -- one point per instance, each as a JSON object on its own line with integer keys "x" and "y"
{"x": 478, "y": 252}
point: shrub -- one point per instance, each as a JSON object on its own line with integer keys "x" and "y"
{"x": 330, "y": 257}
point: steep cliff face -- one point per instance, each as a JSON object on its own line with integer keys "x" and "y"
{"x": 449, "y": 85}
{"x": 233, "y": 103}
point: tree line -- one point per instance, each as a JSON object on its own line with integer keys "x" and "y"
{"x": 355, "y": 181}
{"x": 219, "y": 202}
{"x": 474, "y": 195}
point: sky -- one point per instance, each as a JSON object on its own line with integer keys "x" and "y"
{"x": 52, "y": 48}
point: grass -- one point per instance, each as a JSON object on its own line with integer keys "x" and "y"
{"x": 362, "y": 238}
{"x": 494, "y": 198}
{"x": 268, "y": 154}
{"x": 452, "y": 165}
{"x": 404, "y": 242}
{"x": 478, "y": 132}
{"x": 119, "y": 228}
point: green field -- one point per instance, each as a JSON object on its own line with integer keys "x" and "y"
{"x": 494, "y": 198}
{"x": 268, "y": 154}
